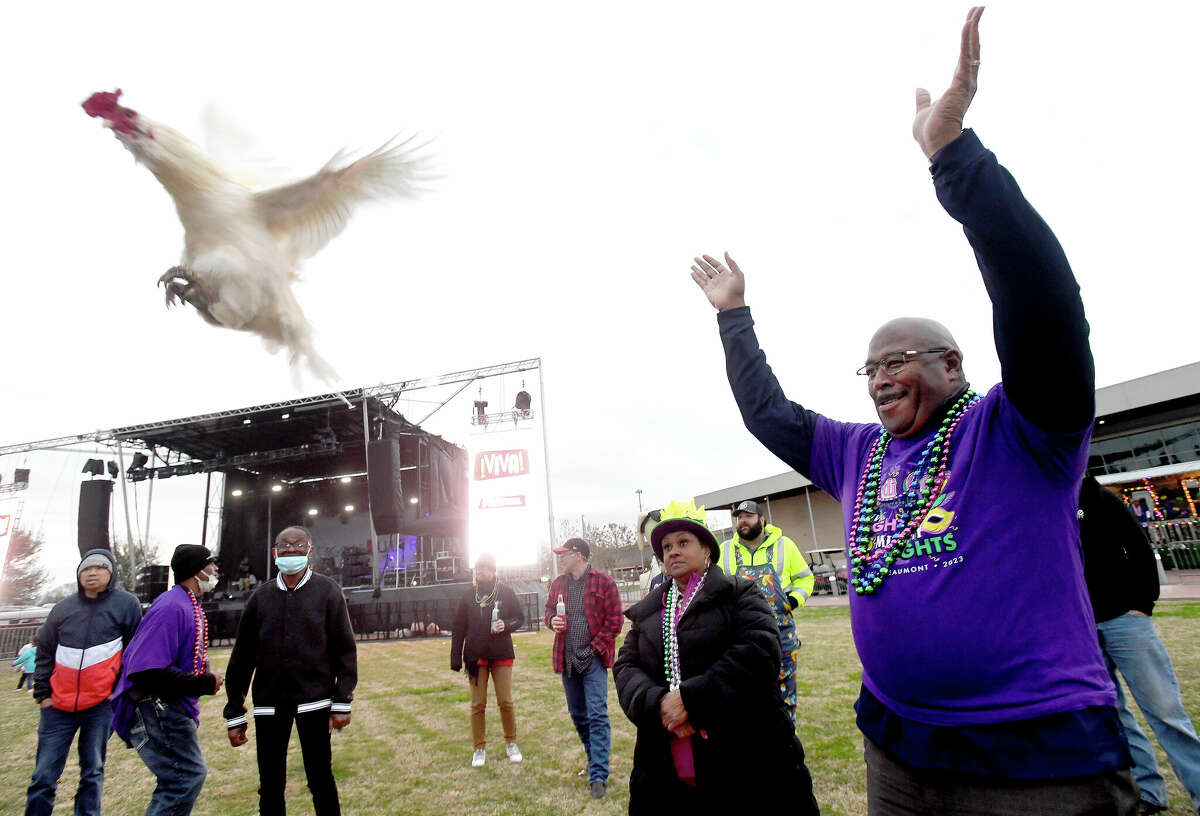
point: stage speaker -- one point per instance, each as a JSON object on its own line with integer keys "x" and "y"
{"x": 154, "y": 573}
{"x": 94, "y": 499}
{"x": 384, "y": 486}
{"x": 152, "y": 581}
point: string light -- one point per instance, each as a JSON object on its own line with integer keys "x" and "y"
{"x": 1187, "y": 494}
{"x": 1127, "y": 495}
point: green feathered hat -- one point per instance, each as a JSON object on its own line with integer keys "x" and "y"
{"x": 684, "y": 515}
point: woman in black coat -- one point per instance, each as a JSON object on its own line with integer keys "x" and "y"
{"x": 712, "y": 733}
{"x": 484, "y": 646}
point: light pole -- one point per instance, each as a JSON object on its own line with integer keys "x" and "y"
{"x": 641, "y": 550}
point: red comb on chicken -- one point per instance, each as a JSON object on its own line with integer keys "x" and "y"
{"x": 105, "y": 106}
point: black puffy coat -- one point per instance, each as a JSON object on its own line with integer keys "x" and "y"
{"x": 473, "y": 638}
{"x": 729, "y": 657}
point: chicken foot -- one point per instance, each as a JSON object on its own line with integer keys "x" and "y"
{"x": 180, "y": 288}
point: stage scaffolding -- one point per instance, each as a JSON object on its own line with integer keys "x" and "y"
{"x": 355, "y": 396}
{"x": 202, "y": 432}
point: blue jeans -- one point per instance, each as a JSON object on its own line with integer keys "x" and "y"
{"x": 587, "y": 700}
{"x": 56, "y": 730}
{"x": 166, "y": 741}
{"x": 1131, "y": 645}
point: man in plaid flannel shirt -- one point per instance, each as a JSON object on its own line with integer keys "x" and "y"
{"x": 584, "y": 648}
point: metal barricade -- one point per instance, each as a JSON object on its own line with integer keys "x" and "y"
{"x": 12, "y": 638}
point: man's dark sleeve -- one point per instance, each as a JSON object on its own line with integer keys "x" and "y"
{"x": 241, "y": 665}
{"x": 1037, "y": 312}
{"x": 170, "y": 683}
{"x": 47, "y": 648}
{"x": 783, "y": 427}
{"x": 343, "y": 653}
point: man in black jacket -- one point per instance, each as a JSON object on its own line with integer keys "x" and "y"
{"x": 295, "y": 639}
{"x": 1122, "y": 579}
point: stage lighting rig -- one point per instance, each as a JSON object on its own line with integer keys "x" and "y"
{"x": 94, "y": 467}
{"x": 20, "y": 482}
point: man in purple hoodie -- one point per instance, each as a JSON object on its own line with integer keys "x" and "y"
{"x": 166, "y": 670}
{"x": 983, "y": 687}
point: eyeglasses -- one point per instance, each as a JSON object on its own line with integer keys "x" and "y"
{"x": 292, "y": 546}
{"x": 892, "y": 364}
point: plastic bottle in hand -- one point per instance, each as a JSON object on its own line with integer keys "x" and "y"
{"x": 495, "y": 616}
{"x": 561, "y": 610}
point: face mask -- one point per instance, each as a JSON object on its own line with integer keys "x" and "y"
{"x": 207, "y": 582}
{"x": 291, "y": 564}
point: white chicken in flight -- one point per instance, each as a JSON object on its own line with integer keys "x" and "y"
{"x": 242, "y": 247}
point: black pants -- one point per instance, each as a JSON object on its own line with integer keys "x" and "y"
{"x": 894, "y": 789}
{"x": 274, "y": 731}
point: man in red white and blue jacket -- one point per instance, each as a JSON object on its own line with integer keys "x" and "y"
{"x": 78, "y": 661}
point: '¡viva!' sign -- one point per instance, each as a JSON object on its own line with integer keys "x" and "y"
{"x": 501, "y": 463}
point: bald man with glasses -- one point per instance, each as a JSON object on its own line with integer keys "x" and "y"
{"x": 983, "y": 687}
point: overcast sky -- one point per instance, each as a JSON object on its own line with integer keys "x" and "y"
{"x": 590, "y": 152}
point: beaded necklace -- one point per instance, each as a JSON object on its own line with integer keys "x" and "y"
{"x": 675, "y": 607}
{"x": 200, "y": 645}
{"x": 487, "y": 599}
{"x": 871, "y": 564}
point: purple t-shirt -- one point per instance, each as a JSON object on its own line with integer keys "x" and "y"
{"x": 166, "y": 638}
{"x": 985, "y": 616}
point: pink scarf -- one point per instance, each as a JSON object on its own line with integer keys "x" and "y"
{"x": 681, "y": 747}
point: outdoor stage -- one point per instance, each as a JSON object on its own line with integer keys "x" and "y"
{"x": 386, "y": 501}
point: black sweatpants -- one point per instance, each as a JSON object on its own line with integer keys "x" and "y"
{"x": 273, "y": 732}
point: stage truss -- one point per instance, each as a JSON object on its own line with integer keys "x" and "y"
{"x": 149, "y": 434}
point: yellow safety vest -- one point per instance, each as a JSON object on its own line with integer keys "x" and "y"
{"x": 795, "y": 576}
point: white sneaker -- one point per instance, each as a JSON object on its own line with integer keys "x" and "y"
{"x": 478, "y": 758}
{"x": 514, "y": 753}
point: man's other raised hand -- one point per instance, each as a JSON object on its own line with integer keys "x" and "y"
{"x": 725, "y": 286}
{"x": 938, "y": 124}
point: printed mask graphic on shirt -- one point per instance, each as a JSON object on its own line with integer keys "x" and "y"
{"x": 933, "y": 539}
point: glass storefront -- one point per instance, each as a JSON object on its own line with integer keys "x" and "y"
{"x": 1173, "y": 445}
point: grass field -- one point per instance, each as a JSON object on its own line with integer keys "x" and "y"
{"x": 408, "y": 748}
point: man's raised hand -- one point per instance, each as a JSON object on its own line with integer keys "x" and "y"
{"x": 725, "y": 286}
{"x": 938, "y": 124}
